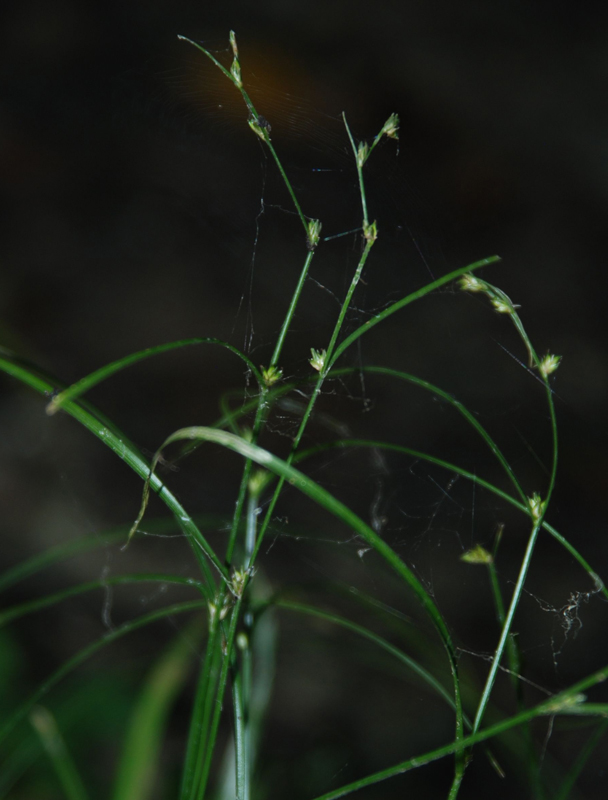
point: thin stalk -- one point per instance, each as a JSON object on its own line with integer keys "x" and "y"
{"x": 286, "y": 180}
{"x": 346, "y": 306}
{"x": 291, "y": 310}
{"x": 261, "y": 131}
{"x": 242, "y": 702}
{"x": 512, "y": 654}
{"x": 260, "y": 418}
{"x": 469, "y": 417}
{"x": 514, "y": 662}
{"x": 21, "y": 610}
{"x": 251, "y": 526}
{"x": 360, "y": 158}
{"x": 506, "y": 629}
{"x": 263, "y": 409}
{"x": 242, "y": 765}
{"x": 539, "y": 513}
{"x": 458, "y": 775}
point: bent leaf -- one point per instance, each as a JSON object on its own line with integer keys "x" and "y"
{"x": 84, "y": 384}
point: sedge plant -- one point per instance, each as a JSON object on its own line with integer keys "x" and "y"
{"x": 232, "y": 623}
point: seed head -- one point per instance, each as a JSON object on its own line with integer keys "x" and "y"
{"x": 318, "y": 359}
{"x": 549, "y": 364}
{"x": 391, "y": 127}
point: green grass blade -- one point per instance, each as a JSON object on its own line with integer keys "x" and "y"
{"x": 410, "y": 663}
{"x": 463, "y": 410}
{"x": 110, "y": 637}
{"x": 45, "y": 726}
{"x": 60, "y": 552}
{"x": 418, "y": 454}
{"x": 88, "y": 382}
{"x": 230, "y": 417}
{"x": 21, "y": 610}
{"x": 128, "y": 454}
{"x": 201, "y": 709}
{"x": 140, "y": 751}
{"x": 567, "y": 702}
{"x": 397, "y": 306}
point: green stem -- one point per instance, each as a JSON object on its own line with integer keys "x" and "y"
{"x": 291, "y": 310}
{"x": 525, "y": 565}
{"x": 227, "y": 646}
{"x": 15, "y": 612}
{"x": 359, "y": 162}
{"x": 199, "y": 721}
{"x": 514, "y": 661}
{"x": 263, "y": 133}
{"x": 260, "y": 418}
{"x": 517, "y": 592}
{"x": 242, "y": 765}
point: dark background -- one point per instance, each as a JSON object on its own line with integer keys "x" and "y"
{"x": 138, "y": 208}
